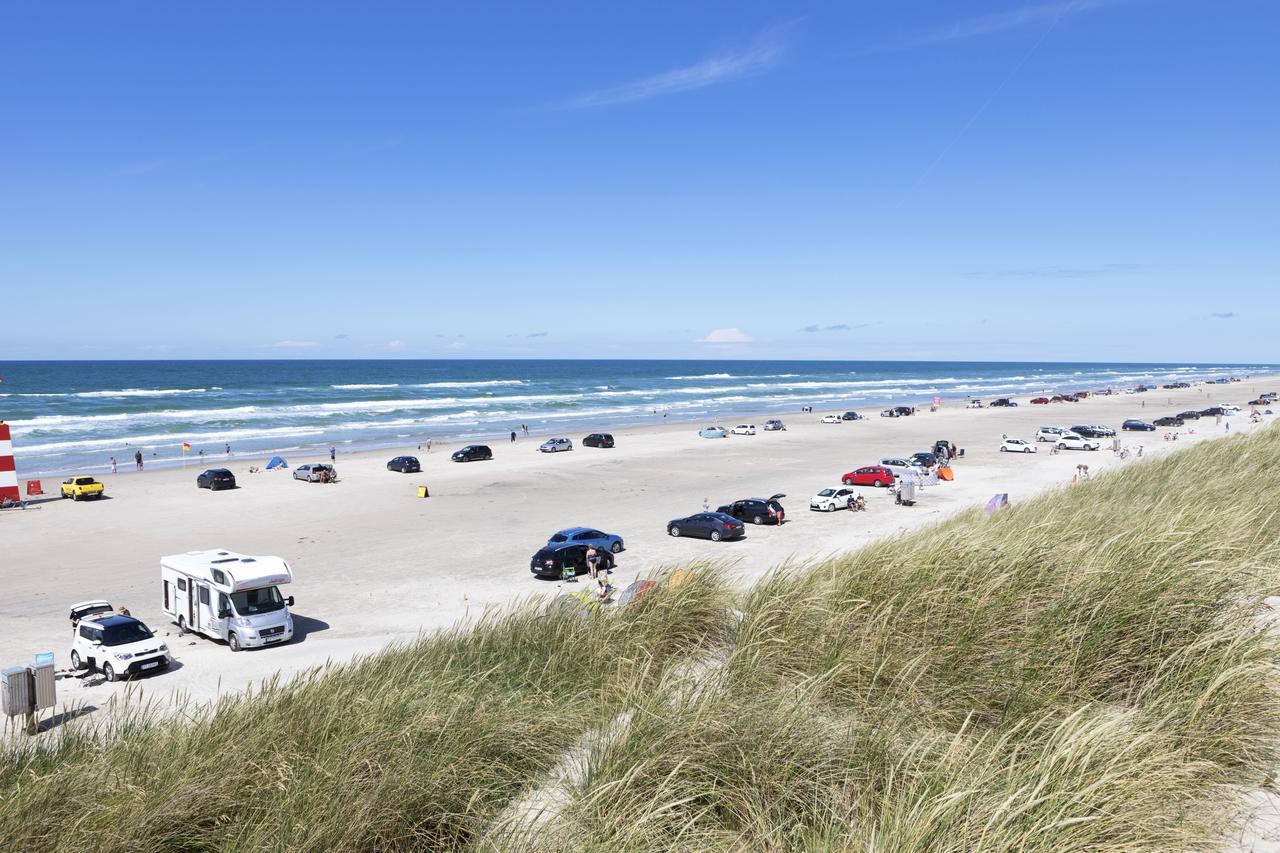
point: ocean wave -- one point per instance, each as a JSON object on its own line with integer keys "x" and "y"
{"x": 154, "y": 441}
{"x": 706, "y": 376}
{"x": 485, "y": 383}
{"x": 364, "y": 386}
{"x": 140, "y": 392}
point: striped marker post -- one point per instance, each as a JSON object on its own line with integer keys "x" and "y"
{"x": 8, "y": 470}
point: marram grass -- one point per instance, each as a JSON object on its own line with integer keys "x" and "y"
{"x": 1088, "y": 670}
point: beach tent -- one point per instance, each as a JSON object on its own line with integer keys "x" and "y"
{"x": 996, "y": 502}
{"x": 277, "y": 462}
{"x": 634, "y": 591}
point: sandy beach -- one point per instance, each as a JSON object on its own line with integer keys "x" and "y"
{"x": 374, "y": 563}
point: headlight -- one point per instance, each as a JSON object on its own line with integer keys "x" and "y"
{"x": 163, "y": 647}
{"x": 123, "y": 656}
{"x": 242, "y": 622}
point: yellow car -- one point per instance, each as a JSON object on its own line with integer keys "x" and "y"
{"x": 81, "y": 488}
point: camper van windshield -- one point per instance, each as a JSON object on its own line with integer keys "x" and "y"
{"x": 257, "y": 601}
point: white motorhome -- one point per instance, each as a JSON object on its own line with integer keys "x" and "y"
{"x": 228, "y": 596}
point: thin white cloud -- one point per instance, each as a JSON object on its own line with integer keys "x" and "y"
{"x": 983, "y": 25}
{"x": 294, "y": 344}
{"x": 726, "y": 336}
{"x": 395, "y": 344}
{"x": 763, "y": 53}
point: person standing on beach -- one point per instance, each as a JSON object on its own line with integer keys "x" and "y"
{"x": 513, "y": 436}
{"x": 428, "y": 445}
{"x": 227, "y": 448}
{"x": 706, "y": 505}
{"x": 113, "y": 464}
{"x": 137, "y": 459}
{"x": 333, "y": 453}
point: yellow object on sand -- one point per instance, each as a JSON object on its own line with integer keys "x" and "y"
{"x": 678, "y": 577}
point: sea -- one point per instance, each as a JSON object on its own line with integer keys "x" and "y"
{"x": 73, "y": 416}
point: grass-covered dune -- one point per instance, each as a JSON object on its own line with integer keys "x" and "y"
{"x": 1090, "y": 669}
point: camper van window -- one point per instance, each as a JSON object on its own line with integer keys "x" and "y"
{"x": 219, "y": 577}
{"x": 224, "y": 603}
{"x": 204, "y": 595}
{"x": 182, "y": 584}
{"x": 165, "y": 584}
{"x": 257, "y": 601}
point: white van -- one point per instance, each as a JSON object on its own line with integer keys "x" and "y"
{"x": 228, "y": 596}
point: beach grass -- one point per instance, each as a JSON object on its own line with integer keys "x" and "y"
{"x": 1092, "y": 669}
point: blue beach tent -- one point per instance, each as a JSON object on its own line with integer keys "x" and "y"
{"x": 277, "y": 462}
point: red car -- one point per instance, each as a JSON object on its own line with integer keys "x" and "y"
{"x": 1040, "y": 401}
{"x": 872, "y": 475}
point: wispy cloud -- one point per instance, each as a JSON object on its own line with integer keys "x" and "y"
{"x": 763, "y": 52}
{"x": 341, "y": 337}
{"x": 293, "y": 344}
{"x": 1050, "y": 271}
{"x": 536, "y": 335}
{"x": 395, "y": 344}
{"x": 726, "y": 336}
{"x": 984, "y": 25}
{"x": 836, "y": 327}
{"x": 1224, "y": 315}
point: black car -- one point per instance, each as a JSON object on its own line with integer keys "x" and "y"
{"x": 1168, "y": 421}
{"x": 1091, "y": 432}
{"x": 405, "y": 465}
{"x": 903, "y": 411}
{"x": 1189, "y": 415}
{"x": 925, "y": 459}
{"x": 598, "y": 439}
{"x": 473, "y": 453}
{"x": 707, "y": 525}
{"x": 1136, "y": 425}
{"x": 215, "y": 479}
{"x": 851, "y": 416}
{"x": 1003, "y": 402}
{"x": 1212, "y": 411}
{"x": 566, "y": 558}
{"x": 756, "y": 510}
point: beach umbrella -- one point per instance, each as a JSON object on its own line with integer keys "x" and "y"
{"x": 997, "y": 501}
{"x": 634, "y": 591}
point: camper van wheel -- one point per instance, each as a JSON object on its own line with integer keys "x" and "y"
{"x": 76, "y": 663}
{"x": 108, "y": 672}
{"x": 182, "y": 625}
{"x": 233, "y": 640}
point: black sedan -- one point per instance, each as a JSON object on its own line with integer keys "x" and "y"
{"x": 1212, "y": 411}
{"x": 756, "y": 510}
{"x": 215, "y": 479}
{"x": 851, "y": 416}
{"x": 598, "y": 439}
{"x": 1168, "y": 421}
{"x": 1091, "y": 431}
{"x": 566, "y": 559}
{"x": 473, "y": 453}
{"x": 1189, "y": 415}
{"x": 1003, "y": 402}
{"x": 405, "y": 465}
{"x": 707, "y": 525}
{"x": 1132, "y": 425}
{"x": 925, "y": 459}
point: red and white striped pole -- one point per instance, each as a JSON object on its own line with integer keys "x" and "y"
{"x": 8, "y": 470}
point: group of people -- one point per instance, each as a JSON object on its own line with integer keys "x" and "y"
{"x": 597, "y": 570}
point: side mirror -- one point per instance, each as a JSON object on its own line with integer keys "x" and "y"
{"x": 289, "y": 601}
{"x": 224, "y": 613}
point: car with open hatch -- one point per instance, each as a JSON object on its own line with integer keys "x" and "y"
{"x": 567, "y": 559}
{"x": 115, "y": 644}
{"x": 756, "y": 510}
{"x": 315, "y": 473}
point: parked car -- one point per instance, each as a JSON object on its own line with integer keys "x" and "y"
{"x": 1017, "y": 445}
{"x": 707, "y": 525}
{"x": 887, "y": 413}
{"x": 588, "y": 536}
{"x": 1229, "y": 409}
{"x": 215, "y": 479}
{"x": 1101, "y": 431}
{"x": 405, "y": 465}
{"x": 1071, "y": 441}
{"x": 851, "y": 416}
{"x": 1189, "y": 415}
{"x": 774, "y": 425}
{"x": 566, "y": 558}
{"x": 472, "y": 453}
{"x": 1049, "y": 433}
{"x": 830, "y": 500}
{"x": 1133, "y": 424}
{"x": 924, "y": 459}
{"x": 116, "y": 645}
{"x": 315, "y": 473}
{"x": 598, "y": 439}
{"x": 831, "y": 419}
{"x": 713, "y": 432}
{"x": 899, "y": 466}
{"x": 756, "y": 510}
{"x": 904, "y": 411}
{"x": 1260, "y": 401}
{"x": 744, "y": 429}
{"x": 1212, "y": 411}
{"x": 1089, "y": 431}
{"x": 1039, "y": 401}
{"x": 555, "y": 445}
{"x": 1003, "y": 402}
{"x": 870, "y": 475}
{"x": 973, "y": 404}
{"x": 1168, "y": 421}
{"x": 82, "y": 488}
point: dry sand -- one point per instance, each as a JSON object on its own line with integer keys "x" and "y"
{"x": 373, "y": 563}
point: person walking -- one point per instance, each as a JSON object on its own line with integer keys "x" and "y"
{"x": 428, "y": 445}
{"x": 137, "y": 459}
{"x": 513, "y": 436}
{"x": 227, "y": 449}
{"x": 706, "y": 505}
{"x": 113, "y": 464}
{"x": 333, "y": 453}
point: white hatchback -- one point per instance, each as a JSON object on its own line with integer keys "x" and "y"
{"x": 1050, "y": 433}
{"x": 1071, "y": 441}
{"x": 1017, "y": 445}
{"x": 830, "y": 500}
{"x": 831, "y": 419}
{"x": 744, "y": 429}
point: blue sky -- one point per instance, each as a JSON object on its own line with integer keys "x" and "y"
{"x": 1094, "y": 179}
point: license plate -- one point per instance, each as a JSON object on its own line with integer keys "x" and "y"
{"x": 152, "y": 665}
{"x": 272, "y": 639}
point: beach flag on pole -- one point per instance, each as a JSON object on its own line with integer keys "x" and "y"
{"x": 8, "y": 470}
{"x": 185, "y": 447}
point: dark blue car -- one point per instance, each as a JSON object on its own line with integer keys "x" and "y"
{"x": 588, "y": 536}
{"x": 1140, "y": 426}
